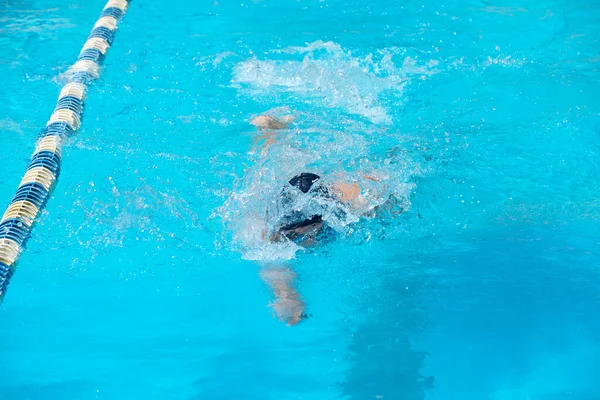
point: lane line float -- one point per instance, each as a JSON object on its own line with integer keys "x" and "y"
{"x": 44, "y": 167}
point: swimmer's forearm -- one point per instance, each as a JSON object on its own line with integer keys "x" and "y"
{"x": 287, "y": 305}
{"x": 281, "y": 281}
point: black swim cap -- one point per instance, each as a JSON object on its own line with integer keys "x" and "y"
{"x": 304, "y": 181}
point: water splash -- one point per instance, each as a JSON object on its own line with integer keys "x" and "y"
{"x": 253, "y": 211}
{"x": 328, "y": 76}
{"x": 129, "y": 218}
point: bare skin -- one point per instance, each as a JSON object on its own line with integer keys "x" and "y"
{"x": 268, "y": 122}
{"x": 268, "y": 126}
{"x": 288, "y": 306}
{"x": 347, "y": 192}
{"x": 351, "y": 193}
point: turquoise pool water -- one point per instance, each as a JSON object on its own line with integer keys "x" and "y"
{"x": 135, "y": 284}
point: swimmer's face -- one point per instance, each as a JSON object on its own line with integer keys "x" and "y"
{"x": 296, "y": 226}
{"x": 304, "y": 236}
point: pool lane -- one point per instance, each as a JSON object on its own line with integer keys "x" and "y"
{"x": 44, "y": 167}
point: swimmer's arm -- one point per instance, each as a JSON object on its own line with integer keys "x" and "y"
{"x": 268, "y": 126}
{"x": 351, "y": 193}
{"x": 287, "y": 305}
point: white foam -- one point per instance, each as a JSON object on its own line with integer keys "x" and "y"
{"x": 329, "y": 76}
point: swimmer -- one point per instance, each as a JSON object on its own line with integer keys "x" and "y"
{"x": 301, "y": 226}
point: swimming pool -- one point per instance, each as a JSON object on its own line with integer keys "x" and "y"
{"x": 133, "y": 285}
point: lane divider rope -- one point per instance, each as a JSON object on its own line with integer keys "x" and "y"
{"x": 44, "y": 167}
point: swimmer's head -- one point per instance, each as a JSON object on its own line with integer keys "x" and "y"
{"x": 303, "y": 229}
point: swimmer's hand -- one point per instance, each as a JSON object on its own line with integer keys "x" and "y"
{"x": 268, "y": 125}
{"x": 290, "y": 311}
{"x": 268, "y": 122}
